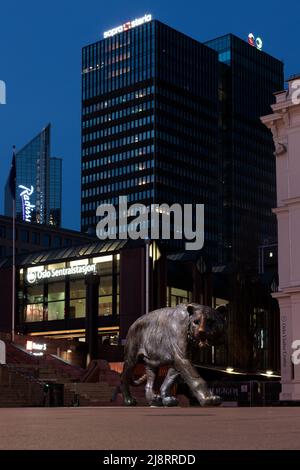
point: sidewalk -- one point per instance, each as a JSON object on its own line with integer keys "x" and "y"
{"x": 149, "y": 428}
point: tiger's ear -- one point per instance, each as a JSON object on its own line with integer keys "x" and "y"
{"x": 190, "y": 309}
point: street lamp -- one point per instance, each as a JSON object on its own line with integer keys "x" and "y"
{"x": 147, "y": 253}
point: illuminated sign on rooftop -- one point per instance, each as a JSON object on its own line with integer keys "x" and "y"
{"x": 127, "y": 26}
{"x": 27, "y": 207}
{"x": 255, "y": 42}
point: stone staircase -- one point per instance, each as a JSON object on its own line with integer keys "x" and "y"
{"x": 99, "y": 386}
{"x": 23, "y": 381}
{"x": 48, "y": 368}
{"x": 17, "y": 390}
{"x": 88, "y": 394}
{"x": 30, "y": 381}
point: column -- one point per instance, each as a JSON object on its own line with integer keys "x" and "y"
{"x": 92, "y": 307}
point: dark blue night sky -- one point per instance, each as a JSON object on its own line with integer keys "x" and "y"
{"x": 40, "y": 44}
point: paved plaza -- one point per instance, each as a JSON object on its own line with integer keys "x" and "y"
{"x": 149, "y": 428}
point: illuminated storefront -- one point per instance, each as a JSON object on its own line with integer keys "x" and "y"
{"x": 54, "y": 292}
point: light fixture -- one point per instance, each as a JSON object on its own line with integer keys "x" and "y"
{"x": 271, "y": 254}
{"x": 269, "y": 372}
{"x": 229, "y": 370}
{"x": 69, "y": 351}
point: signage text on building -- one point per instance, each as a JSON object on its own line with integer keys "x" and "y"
{"x": 34, "y": 276}
{"x": 36, "y": 349}
{"x": 27, "y": 207}
{"x": 255, "y": 42}
{"x": 127, "y": 26}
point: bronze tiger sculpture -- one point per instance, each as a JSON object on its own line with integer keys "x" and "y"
{"x": 163, "y": 338}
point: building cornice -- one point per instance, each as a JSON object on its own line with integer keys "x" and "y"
{"x": 292, "y": 201}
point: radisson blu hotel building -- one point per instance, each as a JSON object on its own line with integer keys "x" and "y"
{"x": 38, "y": 183}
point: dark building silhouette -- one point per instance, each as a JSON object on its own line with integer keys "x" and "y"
{"x": 34, "y": 237}
{"x": 150, "y": 123}
{"x": 248, "y": 79}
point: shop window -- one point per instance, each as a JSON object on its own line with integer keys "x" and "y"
{"x": 56, "y": 311}
{"x": 34, "y": 313}
{"x": 177, "y": 296}
{"x": 56, "y": 291}
{"x": 105, "y": 305}
{"x": 77, "y": 299}
{"x": 110, "y": 340}
{"x": 56, "y": 301}
{"x": 105, "y": 287}
{"x": 35, "y": 294}
{"x": 105, "y": 296}
{"x": 104, "y": 265}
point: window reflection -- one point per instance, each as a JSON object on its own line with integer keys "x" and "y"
{"x": 77, "y": 299}
{"x": 105, "y": 296}
{"x": 34, "y": 312}
{"x": 56, "y": 301}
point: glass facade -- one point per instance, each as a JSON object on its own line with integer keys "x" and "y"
{"x": 166, "y": 119}
{"x": 177, "y": 296}
{"x": 38, "y": 183}
{"x": 149, "y": 122}
{"x": 55, "y": 191}
{"x": 248, "y": 80}
{"x": 47, "y": 293}
{"x": 186, "y": 167}
{"x": 118, "y": 121}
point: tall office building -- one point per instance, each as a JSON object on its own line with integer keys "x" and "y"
{"x": 38, "y": 183}
{"x": 248, "y": 79}
{"x": 149, "y": 122}
{"x": 166, "y": 119}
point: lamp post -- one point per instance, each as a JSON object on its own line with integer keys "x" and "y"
{"x": 147, "y": 254}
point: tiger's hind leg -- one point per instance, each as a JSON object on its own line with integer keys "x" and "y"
{"x": 151, "y": 397}
{"x": 126, "y": 379}
{"x": 167, "y": 399}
